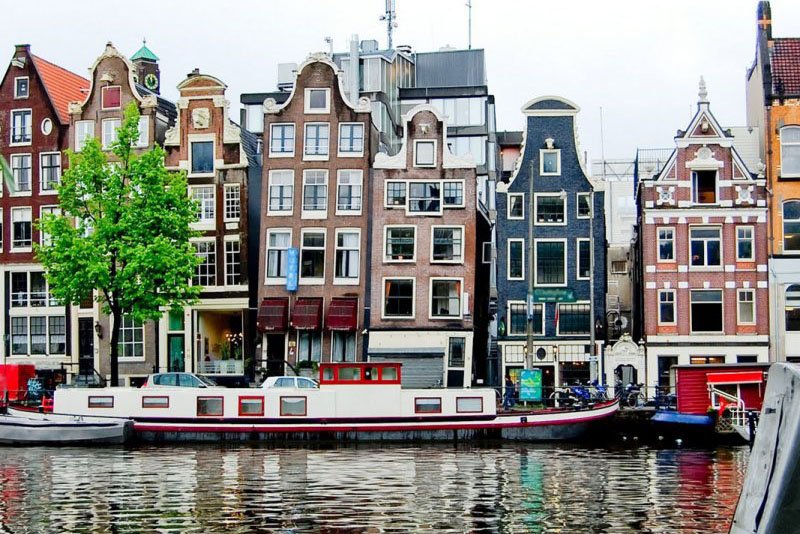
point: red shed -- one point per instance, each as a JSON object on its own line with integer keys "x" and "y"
{"x": 702, "y": 386}
{"x": 14, "y": 379}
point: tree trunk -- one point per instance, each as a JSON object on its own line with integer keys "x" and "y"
{"x": 116, "y": 323}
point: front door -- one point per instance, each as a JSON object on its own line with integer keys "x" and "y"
{"x": 176, "y": 362}
{"x": 85, "y": 345}
{"x": 276, "y": 351}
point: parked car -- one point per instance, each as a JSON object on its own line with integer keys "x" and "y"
{"x": 183, "y": 380}
{"x": 289, "y": 382}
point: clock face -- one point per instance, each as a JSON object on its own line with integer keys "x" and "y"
{"x": 150, "y": 81}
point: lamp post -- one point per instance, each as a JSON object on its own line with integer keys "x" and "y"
{"x": 529, "y": 299}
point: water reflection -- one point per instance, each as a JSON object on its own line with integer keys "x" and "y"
{"x": 433, "y": 488}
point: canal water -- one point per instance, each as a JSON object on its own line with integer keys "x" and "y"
{"x": 369, "y": 488}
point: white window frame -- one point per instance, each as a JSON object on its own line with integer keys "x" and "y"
{"x": 17, "y": 95}
{"x": 739, "y": 302}
{"x": 316, "y": 157}
{"x": 42, "y": 189}
{"x": 794, "y": 144}
{"x": 289, "y": 154}
{"x": 276, "y": 280}
{"x": 282, "y": 175}
{"x": 542, "y": 152}
{"x": 411, "y": 213}
{"x": 674, "y": 307}
{"x": 536, "y": 197}
{"x": 205, "y": 223}
{"x": 386, "y": 257}
{"x": 213, "y": 242}
{"x": 536, "y": 259}
{"x": 114, "y": 133}
{"x": 508, "y": 207}
{"x": 143, "y": 342}
{"x": 348, "y": 153}
{"x": 462, "y": 229}
{"x": 11, "y": 228}
{"x": 578, "y": 197}
{"x": 15, "y": 157}
{"x": 463, "y": 194}
{"x": 29, "y": 129}
{"x": 508, "y": 258}
{"x": 103, "y": 91}
{"x": 44, "y": 238}
{"x": 315, "y": 214}
{"x": 417, "y": 142}
{"x": 313, "y": 280}
{"x": 346, "y": 281}
{"x": 694, "y": 191}
{"x": 228, "y": 190}
{"x": 705, "y": 240}
{"x": 360, "y": 184}
{"x": 308, "y": 110}
{"x": 671, "y": 229}
{"x": 84, "y": 130}
{"x": 576, "y": 303}
{"x": 434, "y": 279}
{"x": 722, "y": 311}
{"x": 386, "y": 204}
{"x": 144, "y": 132}
{"x": 752, "y": 240}
{"x": 413, "y": 299}
{"x": 578, "y": 242}
{"x": 204, "y": 138}
{"x": 229, "y": 265}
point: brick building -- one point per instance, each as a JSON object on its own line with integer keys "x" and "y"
{"x": 702, "y": 247}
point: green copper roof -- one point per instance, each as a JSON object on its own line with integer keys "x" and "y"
{"x": 144, "y": 53}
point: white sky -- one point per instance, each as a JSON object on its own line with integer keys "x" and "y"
{"x": 638, "y": 60}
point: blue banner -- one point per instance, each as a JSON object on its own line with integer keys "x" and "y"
{"x": 530, "y": 385}
{"x": 292, "y": 268}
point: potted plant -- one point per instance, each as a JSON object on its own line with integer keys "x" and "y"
{"x": 308, "y": 368}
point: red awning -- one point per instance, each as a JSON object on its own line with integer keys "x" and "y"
{"x": 273, "y": 315}
{"x": 739, "y": 377}
{"x": 307, "y": 314}
{"x": 343, "y": 314}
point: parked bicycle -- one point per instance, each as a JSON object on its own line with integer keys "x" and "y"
{"x": 633, "y": 396}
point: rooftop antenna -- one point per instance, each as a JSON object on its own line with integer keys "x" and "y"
{"x": 469, "y": 24}
{"x": 329, "y": 40}
{"x": 602, "y": 145}
{"x": 390, "y": 17}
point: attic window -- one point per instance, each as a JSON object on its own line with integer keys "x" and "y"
{"x": 111, "y": 97}
{"x": 21, "y": 87}
{"x": 424, "y": 153}
{"x": 704, "y": 187}
{"x": 317, "y": 101}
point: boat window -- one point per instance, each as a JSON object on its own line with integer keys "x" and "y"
{"x": 327, "y": 373}
{"x": 155, "y": 402}
{"x": 209, "y": 406}
{"x": 469, "y": 405}
{"x": 371, "y": 373}
{"x": 428, "y": 405}
{"x": 293, "y": 406}
{"x": 251, "y": 405}
{"x": 101, "y": 401}
{"x": 349, "y": 373}
{"x": 389, "y": 374}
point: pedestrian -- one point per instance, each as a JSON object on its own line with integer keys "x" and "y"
{"x": 508, "y": 398}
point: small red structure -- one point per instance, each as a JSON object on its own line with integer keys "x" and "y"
{"x": 701, "y": 387}
{"x": 359, "y": 373}
{"x": 14, "y": 380}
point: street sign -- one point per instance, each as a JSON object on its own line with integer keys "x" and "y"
{"x": 292, "y": 268}
{"x": 554, "y": 294}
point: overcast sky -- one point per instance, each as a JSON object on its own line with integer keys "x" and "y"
{"x": 638, "y": 60}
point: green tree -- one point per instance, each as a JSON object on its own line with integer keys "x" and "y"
{"x": 123, "y": 231}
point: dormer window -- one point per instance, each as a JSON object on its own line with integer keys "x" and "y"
{"x": 550, "y": 162}
{"x": 21, "y": 87}
{"x": 704, "y": 187}
{"x": 425, "y": 153}
{"x": 111, "y": 97}
{"x": 317, "y": 101}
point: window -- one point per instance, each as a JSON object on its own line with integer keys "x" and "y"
{"x": 206, "y": 272}
{"x": 461, "y": 111}
{"x": 351, "y": 139}
{"x": 518, "y": 319}
{"x": 281, "y": 140}
{"x": 232, "y": 202}
{"x": 744, "y": 243}
{"x": 706, "y": 310}
{"x": 453, "y": 194}
{"x": 347, "y": 254}
{"x": 21, "y": 87}
{"x": 550, "y": 162}
{"x": 281, "y": 192}
{"x": 456, "y": 352}
{"x": 47, "y": 126}
{"x": 791, "y": 226}
{"x": 447, "y": 244}
{"x": 309, "y": 346}
{"x": 398, "y": 298}
{"x": 474, "y": 146}
{"x": 19, "y": 335}
{"x": 204, "y": 196}
{"x": 39, "y": 296}
{"x": 516, "y": 205}
{"x": 317, "y": 140}
{"x": 666, "y": 244}
{"x": 705, "y": 243}
{"x": 445, "y": 298}
{"x": 550, "y": 262}
{"x": 666, "y": 307}
{"x": 424, "y": 197}
{"x": 21, "y": 169}
{"x": 277, "y": 246}
{"x": 202, "y": 157}
{"x": 312, "y": 255}
{"x": 486, "y": 252}
{"x": 19, "y": 289}
{"x": 584, "y": 259}
{"x": 131, "y": 338}
{"x": 395, "y": 194}
{"x": 110, "y": 97}
{"x": 619, "y": 267}
{"x": 315, "y": 190}
{"x": 84, "y": 130}
{"x": 746, "y": 306}
{"x": 790, "y": 151}
{"x": 469, "y": 405}
{"x": 516, "y": 259}
{"x": 100, "y": 401}
{"x": 792, "y": 308}
{"x": 251, "y": 406}
{"x": 213, "y": 406}
{"x": 343, "y": 346}
{"x": 317, "y": 101}
{"x": 400, "y": 243}
{"x": 2, "y": 229}
{"x": 706, "y": 360}
{"x": 50, "y": 171}
{"x": 144, "y": 131}
{"x": 110, "y": 132}
{"x": 704, "y": 187}
{"x": 550, "y": 209}
{"x": 21, "y": 228}
{"x": 21, "y": 126}
{"x": 348, "y": 192}
{"x": 427, "y": 405}
{"x": 424, "y": 153}
{"x": 233, "y": 268}
{"x": 38, "y": 326}
{"x": 57, "y": 334}
{"x": 584, "y": 207}
{"x": 573, "y": 319}
{"x": 293, "y": 406}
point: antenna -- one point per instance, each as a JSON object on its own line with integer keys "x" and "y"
{"x": 602, "y": 145}
{"x": 469, "y": 24}
{"x": 329, "y": 40}
{"x": 390, "y": 17}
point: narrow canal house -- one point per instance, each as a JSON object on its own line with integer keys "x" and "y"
{"x": 209, "y": 337}
{"x": 551, "y": 250}
{"x": 429, "y": 288}
{"x": 34, "y": 126}
{"x": 99, "y": 114}
{"x": 702, "y": 246}
{"x": 313, "y": 260}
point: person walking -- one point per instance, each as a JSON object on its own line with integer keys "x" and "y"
{"x": 508, "y": 397}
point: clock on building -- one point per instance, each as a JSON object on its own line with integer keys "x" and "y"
{"x": 151, "y": 81}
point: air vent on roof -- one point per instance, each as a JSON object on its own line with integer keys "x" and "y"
{"x": 369, "y": 46}
{"x": 286, "y": 74}
{"x": 405, "y": 49}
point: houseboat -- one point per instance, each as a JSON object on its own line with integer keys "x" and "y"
{"x": 354, "y": 401}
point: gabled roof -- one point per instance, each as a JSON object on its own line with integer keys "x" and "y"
{"x": 144, "y": 53}
{"x": 785, "y": 61}
{"x": 62, "y": 86}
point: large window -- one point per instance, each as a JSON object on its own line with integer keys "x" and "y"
{"x": 666, "y": 244}
{"x": 744, "y": 243}
{"x": 131, "y": 338}
{"x": 30, "y": 289}
{"x": 315, "y": 190}
{"x": 705, "y": 246}
{"x": 206, "y": 204}
{"x": 550, "y": 263}
{"x": 233, "y": 268}
{"x": 347, "y": 254}
{"x": 309, "y": 346}
{"x": 462, "y": 111}
{"x": 110, "y": 132}
{"x": 50, "y": 171}
{"x": 746, "y": 306}
{"x": 584, "y": 259}
{"x": 550, "y": 209}
{"x": 21, "y": 228}
{"x": 44, "y": 211}
{"x": 447, "y": 245}
{"x": 398, "y": 298}
{"x": 84, "y": 130}
{"x": 343, "y": 346}
{"x": 473, "y": 145}
{"x": 21, "y": 120}
{"x": 790, "y": 151}
{"x": 277, "y": 246}
{"x": 666, "y": 307}
{"x": 348, "y": 192}
{"x": 400, "y": 243}
{"x": 19, "y": 335}
{"x": 424, "y": 197}
{"x": 233, "y": 203}
{"x": 312, "y": 255}
{"x": 281, "y": 192}
{"x": 206, "y": 272}
{"x": 351, "y": 139}
{"x": 516, "y": 259}
{"x": 202, "y": 157}
{"x": 445, "y": 298}
{"x": 574, "y": 319}
{"x": 792, "y": 308}
{"x": 516, "y": 205}
{"x": 706, "y": 310}
{"x": 281, "y": 140}
{"x": 518, "y": 319}
{"x": 791, "y": 226}
{"x": 704, "y": 187}
{"x": 317, "y": 135}
{"x": 456, "y": 352}
{"x": 21, "y": 169}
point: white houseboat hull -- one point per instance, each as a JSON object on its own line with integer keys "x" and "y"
{"x": 61, "y": 430}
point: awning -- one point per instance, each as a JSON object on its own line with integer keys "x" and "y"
{"x": 307, "y": 314}
{"x": 273, "y": 315}
{"x": 343, "y": 314}
{"x": 739, "y": 377}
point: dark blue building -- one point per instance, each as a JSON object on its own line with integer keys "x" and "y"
{"x": 563, "y": 251}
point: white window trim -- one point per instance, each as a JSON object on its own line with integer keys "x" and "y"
{"x": 738, "y": 308}
{"x": 460, "y": 315}
{"x": 107, "y": 146}
{"x": 143, "y": 358}
{"x": 386, "y": 194}
{"x": 435, "y": 153}
{"x": 315, "y": 214}
{"x": 205, "y": 224}
{"x": 103, "y": 97}
{"x": 11, "y": 127}
{"x": 542, "y": 152}
{"x": 781, "y": 143}
{"x": 29, "y": 192}
{"x": 694, "y": 200}
{"x": 674, "y": 307}
{"x": 279, "y": 213}
{"x": 52, "y": 208}
{"x": 752, "y": 243}
{"x": 225, "y": 189}
{"x": 338, "y": 281}
{"x": 203, "y": 138}
{"x": 277, "y": 281}
{"x": 16, "y": 94}
{"x": 313, "y": 281}
{"x": 78, "y": 146}
{"x": 413, "y": 299}
{"x": 658, "y": 244}
{"x": 578, "y": 205}
{"x": 463, "y": 240}
{"x": 508, "y": 207}
{"x": 536, "y": 196}
{"x": 11, "y": 246}
{"x": 333, "y": 345}
{"x": 508, "y": 258}
{"x": 410, "y": 213}
{"x": 535, "y": 262}
{"x": 463, "y": 195}
{"x": 722, "y": 311}
{"x": 525, "y": 306}
{"x": 43, "y": 191}
{"x": 339, "y": 151}
{"x": 386, "y": 228}
{"x": 578, "y": 302}
{"x": 578, "y": 258}
{"x": 213, "y": 240}
{"x": 47, "y": 121}
{"x": 721, "y": 249}
{"x": 307, "y": 99}
{"x": 231, "y": 239}
{"x": 361, "y": 184}
{"x": 316, "y": 157}
{"x": 282, "y": 154}
{"x": 144, "y": 140}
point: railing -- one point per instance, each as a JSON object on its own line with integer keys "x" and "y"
{"x": 222, "y": 367}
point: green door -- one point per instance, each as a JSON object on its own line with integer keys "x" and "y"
{"x": 175, "y": 348}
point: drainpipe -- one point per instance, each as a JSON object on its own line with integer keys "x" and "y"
{"x": 368, "y": 270}
{"x": 353, "y": 68}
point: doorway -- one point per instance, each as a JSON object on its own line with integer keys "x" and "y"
{"x": 175, "y": 351}
{"x": 85, "y": 346}
{"x": 276, "y": 351}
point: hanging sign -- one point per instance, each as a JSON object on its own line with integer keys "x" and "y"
{"x": 292, "y": 268}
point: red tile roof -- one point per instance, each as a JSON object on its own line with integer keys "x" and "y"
{"x": 62, "y": 86}
{"x": 785, "y": 59}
